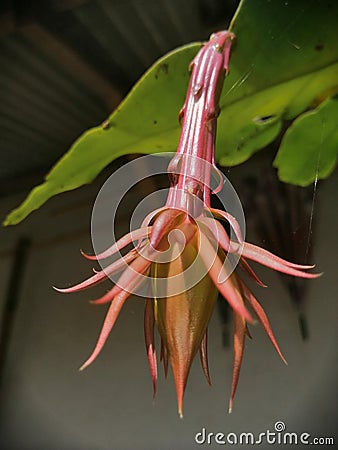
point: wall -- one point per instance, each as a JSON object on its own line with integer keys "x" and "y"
{"x": 47, "y": 404}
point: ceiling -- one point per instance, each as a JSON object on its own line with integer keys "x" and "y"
{"x": 66, "y": 64}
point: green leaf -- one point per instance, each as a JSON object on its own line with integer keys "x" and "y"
{"x": 309, "y": 148}
{"x": 285, "y": 59}
{"x": 145, "y": 122}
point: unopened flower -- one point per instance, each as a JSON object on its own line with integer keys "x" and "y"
{"x": 184, "y": 250}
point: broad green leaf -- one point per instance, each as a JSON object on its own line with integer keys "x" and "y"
{"x": 316, "y": 134}
{"x": 284, "y": 61}
{"x": 286, "y": 58}
{"x": 145, "y": 122}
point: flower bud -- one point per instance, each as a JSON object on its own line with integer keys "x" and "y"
{"x": 182, "y": 319}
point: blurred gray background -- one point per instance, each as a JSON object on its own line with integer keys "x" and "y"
{"x": 64, "y": 66}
